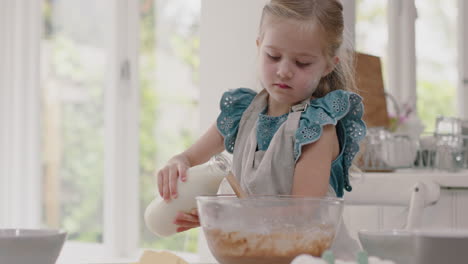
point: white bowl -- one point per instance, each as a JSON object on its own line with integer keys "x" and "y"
{"x": 441, "y": 246}
{"x": 27, "y": 246}
{"x": 418, "y": 246}
{"x": 396, "y": 245}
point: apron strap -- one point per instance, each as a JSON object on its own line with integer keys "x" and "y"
{"x": 300, "y": 107}
{"x": 294, "y": 115}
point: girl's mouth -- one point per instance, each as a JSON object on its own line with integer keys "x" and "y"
{"x": 283, "y": 86}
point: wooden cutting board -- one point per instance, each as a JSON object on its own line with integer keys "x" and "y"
{"x": 370, "y": 85}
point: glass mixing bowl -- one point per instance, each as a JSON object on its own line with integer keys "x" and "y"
{"x": 268, "y": 229}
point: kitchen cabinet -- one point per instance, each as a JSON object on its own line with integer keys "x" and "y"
{"x": 449, "y": 212}
{"x": 461, "y": 208}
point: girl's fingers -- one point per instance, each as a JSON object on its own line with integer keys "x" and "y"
{"x": 187, "y": 224}
{"x": 186, "y": 221}
{"x": 187, "y": 217}
{"x": 182, "y": 172}
{"x": 182, "y": 229}
{"x": 173, "y": 175}
{"x": 165, "y": 183}
{"x": 159, "y": 180}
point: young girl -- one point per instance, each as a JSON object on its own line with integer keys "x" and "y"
{"x": 298, "y": 135}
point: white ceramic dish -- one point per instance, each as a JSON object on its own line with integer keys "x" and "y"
{"x": 26, "y": 246}
{"x": 441, "y": 246}
{"x": 396, "y": 245}
{"x": 418, "y": 246}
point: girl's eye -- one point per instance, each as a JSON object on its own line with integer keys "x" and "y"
{"x": 274, "y": 58}
{"x": 302, "y": 64}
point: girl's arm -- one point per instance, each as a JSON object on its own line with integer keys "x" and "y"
{"x": 209, "y": 144}
{"x": 201, "y": 151}
{"x": 312, "y": 173}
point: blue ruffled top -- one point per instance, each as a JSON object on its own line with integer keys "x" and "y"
{"x": 340, "y": 108}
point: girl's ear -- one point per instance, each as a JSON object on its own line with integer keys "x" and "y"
{"x": 331, "y": 66}
{"x": 258, "y": 42}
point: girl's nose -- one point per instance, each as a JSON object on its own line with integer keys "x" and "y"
{"x": 284, "y": 71}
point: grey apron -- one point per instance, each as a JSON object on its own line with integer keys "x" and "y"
{"x": 255, "y": 169}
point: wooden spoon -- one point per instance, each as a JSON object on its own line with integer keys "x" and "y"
{"x": 236, "y": 186}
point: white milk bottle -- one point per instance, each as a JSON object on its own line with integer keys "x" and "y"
{"x": 203, "y": 179}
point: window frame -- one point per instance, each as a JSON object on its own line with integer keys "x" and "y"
{"x": 121, "y": 165}
{"x": 120, "y": 180}
{"x": 402, "y": 50}
{"x": 462, "y": 89}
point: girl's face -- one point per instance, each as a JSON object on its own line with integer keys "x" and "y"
{"x": 292, "y": 61}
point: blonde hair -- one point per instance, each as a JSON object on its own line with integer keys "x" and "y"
{"x": 328, "y": 15}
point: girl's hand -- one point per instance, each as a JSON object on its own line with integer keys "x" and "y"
{"x": 186, "y": 221}
{"x": 167, "y": 177}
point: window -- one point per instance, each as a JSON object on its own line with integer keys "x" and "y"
{"x": 76, "y": 58}
{"x": 169, "y": 62}
{"x": 371, "y": 28}
{"x": 89, "y": 122}
{"x": 436, "y": 53}
{"x": 435, "y": 56}
{"x": 74, "y": 75}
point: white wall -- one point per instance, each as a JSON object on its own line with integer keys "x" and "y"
{"x": 227, "y": 50}
{"x": 19, "y": 105}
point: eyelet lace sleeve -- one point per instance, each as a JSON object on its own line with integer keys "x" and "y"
{"x": 337, "y": 106}
{"x": 233, "y": 104}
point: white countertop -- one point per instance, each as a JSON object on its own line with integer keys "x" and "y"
{"x": 396, "y": 188}
{"x": 130, "y": 262}
{"x": 444, "y": 179}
